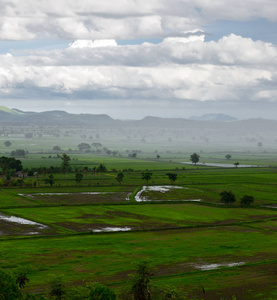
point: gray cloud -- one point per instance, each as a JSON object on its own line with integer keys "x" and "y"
{"x": 234, "y": 68}
{"x": 121, "y": 19}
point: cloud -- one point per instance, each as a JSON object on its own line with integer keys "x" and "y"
{"x": 121, "y": 19}
{"x": 232, "y": 69}
{"x": 93, "y": 44}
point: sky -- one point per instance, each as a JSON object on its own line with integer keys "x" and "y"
{"x": 135, "y": 58}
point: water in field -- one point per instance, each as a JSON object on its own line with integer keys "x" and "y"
{"x": 221, "y": 165}
{"x": 161, "y": 189}
{"x": 18, "y": 220}
{"x": 112, "y": 229}
{"x": 216, "y": 266}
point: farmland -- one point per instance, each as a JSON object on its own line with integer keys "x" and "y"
{"x": 97, "y": 230}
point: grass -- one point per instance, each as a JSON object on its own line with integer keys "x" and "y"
{"x": 174, "y": 236}
{"x": 106, "y": 257}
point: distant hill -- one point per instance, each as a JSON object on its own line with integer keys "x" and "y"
{"x": 220, "y": 123}
{"x": 214, "y": 117}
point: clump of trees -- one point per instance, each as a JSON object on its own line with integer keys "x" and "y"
{"x": 138, "y": 288}
{"x": 18, "y": 153}
{"x": 230, "y": 198}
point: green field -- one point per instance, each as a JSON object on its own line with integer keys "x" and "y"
{"x": 225, "y": 249}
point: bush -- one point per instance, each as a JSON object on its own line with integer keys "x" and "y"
{"x": 227, "y": 197}
{"x": 9, "y": 290}
{"x": 246, "y": 200}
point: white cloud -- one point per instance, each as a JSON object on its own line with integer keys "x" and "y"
{"x": 234, "y": 68}
{"x": 93, "y": 44}
{"x": 121, "y": 19}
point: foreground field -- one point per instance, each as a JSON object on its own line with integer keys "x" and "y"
{"x": 97, "y": 230}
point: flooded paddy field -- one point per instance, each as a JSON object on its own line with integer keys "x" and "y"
{"x": 77, "y": 198}
{"x": 135, "y": 217}
{"x": 95, "y": 233}
{"x": 211, "y": 256}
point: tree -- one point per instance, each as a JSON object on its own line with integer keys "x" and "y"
{"x": 246, "y": 200}
{"x": 227, "y": 197}
{"x": 79, "y": 177}
{"x": 236, "y": 164}
{"x": 65, "y": 165}
{"x": 18, "y": 153}
{"x": 57, "y": 288}
{"x": 101, "y": 168}
{"x": 50, "y": 180}
{"x": 119, "y": 177}
{"x": 83, "y": 147}
{"x": 172, "y": 177}
{"x": 7, "y": 163}
{"x": 194, "y": 158}
{"x": 7, "y": 143}
{"x": 146, "y": 176}
{"x": 9, "y": 290}
{"x": 22, "y": 279}
{"x": 228, "y": 156}
{"x": 97, "y": 146}
{"x": 101, "y": 292}
{"x": 57, "y": 148}
{"x": 140, "y": 284}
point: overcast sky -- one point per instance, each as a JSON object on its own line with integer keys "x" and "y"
{"x": 134, "y": 58}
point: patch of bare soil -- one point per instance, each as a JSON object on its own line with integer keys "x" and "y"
{"x": 80, "y": 198}
{"x": 249, "y": 282}
{"x": 16, "y": 229}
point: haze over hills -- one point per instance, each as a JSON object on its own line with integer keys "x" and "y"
{"x": 213, "y": 131}
{"x": 211, "y": 124}
{"x": 59, "y": 117}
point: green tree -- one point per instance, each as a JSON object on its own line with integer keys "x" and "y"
{"x": 22, "y": 279}
{"x": 97, "y": 146}
{"x": 101, "y": 292}
{"x": 50, "y": 180}
{"x": 18, "y": 153}
{"x": 9, "y": 290}
{"x": 146, "y": 176}
{"x": 140, "y": 283}
{"x": 57, "y": 288}
{"x": 101, "y": 168}
{"x": 57, "y": 148}
{"x": 236, "y": 164}
{"x": 246, "y": 200}
{"x": 65, "y": 165}
{"x": 228, "y": 156}
{"x": 10, "y": 163}
{"x": 79, "y": 177}
{"x": 194, "y": 158}
{"x": 227, "y": 197}
{"x": 84, "y": 147}
{"x": 119, "y": 177}
{"x": 7, "y": 143}
{"x": 172, "y": 177}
